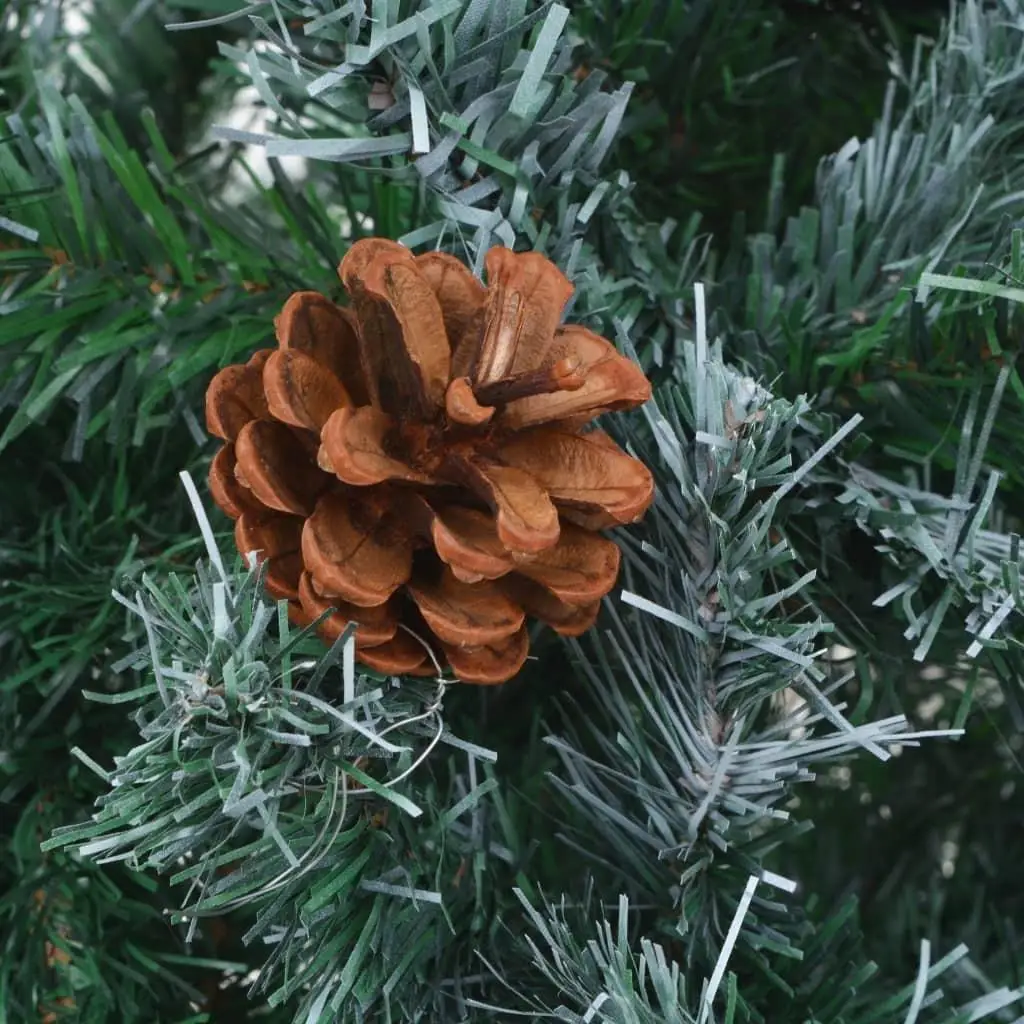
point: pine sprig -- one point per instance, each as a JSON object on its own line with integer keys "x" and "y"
{"x": 88, "y": 944}
{"x": 478, "y": 109}
{"x": 269, "y": 777}
{"x": 924, "y": 191}
{"x": 473, "y": 103}
{"x": 126, "y": 297}
{"x": 934, "y": 515}
{"x": 599, "y": 970}
{"x": 682, "y": 681}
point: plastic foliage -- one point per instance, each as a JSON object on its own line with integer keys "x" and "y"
{"x": 712, "y": 667}
{"x": 123, "y": 298}
{"x": 478, "y": 107}
{"x": 927, "y": 189}
{"x": 709, "y": 701}
{"x": 269, "y": 778}
{"x": 936, "y": 510}
{"x": 266, "y": 778}
{"x": 590, "y": 968}
{"x": 86, "y": 943}
{"x": 473, "y": 101}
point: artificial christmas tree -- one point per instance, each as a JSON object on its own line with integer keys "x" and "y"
{"x": 801, "y": 223}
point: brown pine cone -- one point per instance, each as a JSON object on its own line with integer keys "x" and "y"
{"x": 419, "y": 461}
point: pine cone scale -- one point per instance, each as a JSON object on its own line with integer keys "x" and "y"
{"x": 463, "y": 406}
{"x": 348, "y": 559}
{"x": 230, "y": 495}
{"x": 564, "y": 618}
{"x": 586, "y": 472}
{"x": 422, "y": 360}
{"x": 278, "y": 539}
{"x": 467, "y": 541}
{"x": 356, "y": 445}
{"x": 316, "y": 327}
{"x": 527, "y": 296}
{"x": 527, "y": 519}
{"x": 609, "y": 383}
{"x": 375, "y": 626}
{"x": 235, "y": 396}
{"x": 402, "y": 656}
{"x": 467, "y": 614}
{"x": 301, "y": 391}
{"x": 580, "y": 569}
{"x": 390, "y": 371}
{"x": 273, "y": 464}
{"x": 462, "y": 298}
{"x": 489, "y": 664}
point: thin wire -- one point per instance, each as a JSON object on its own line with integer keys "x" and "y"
{"x": 298, "y": 871}
{"x": 426, "y": 753}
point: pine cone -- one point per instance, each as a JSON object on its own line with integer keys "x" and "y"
{"x": 419, "y": 462}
